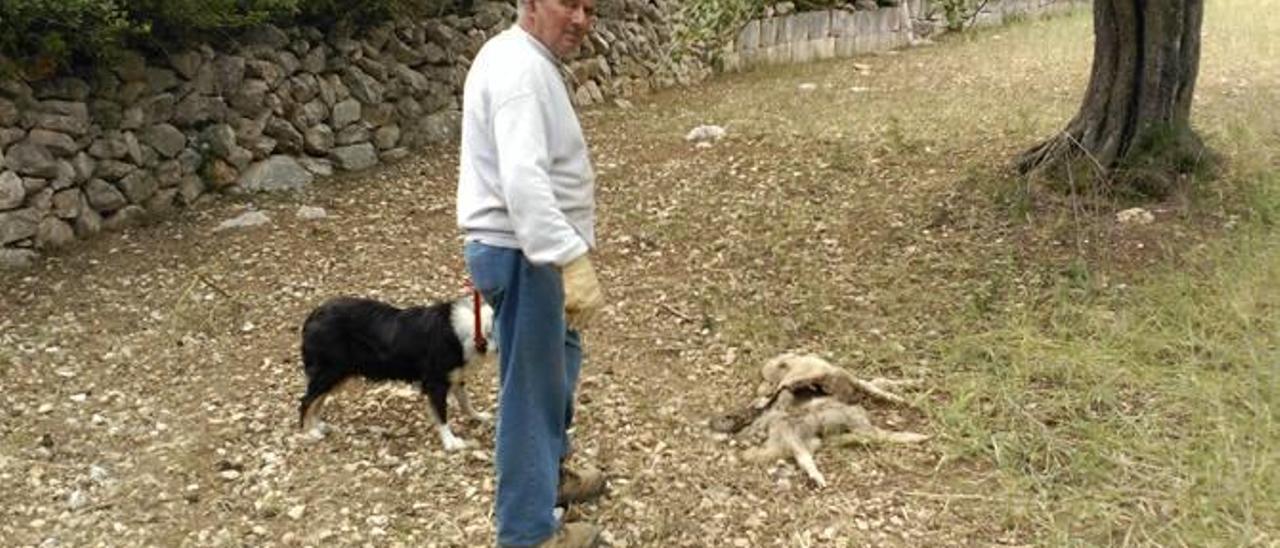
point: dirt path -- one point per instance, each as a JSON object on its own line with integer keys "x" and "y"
{"x": 150, "y": 378}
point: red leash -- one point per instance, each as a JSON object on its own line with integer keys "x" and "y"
{"x": 482, "y": 345}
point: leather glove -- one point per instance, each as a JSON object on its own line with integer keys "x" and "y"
{"x": 582, "y": 296}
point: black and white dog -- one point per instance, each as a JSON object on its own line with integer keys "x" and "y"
{"x": 432, "y": 346}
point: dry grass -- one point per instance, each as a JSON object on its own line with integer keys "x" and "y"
{"x": 1090, "y": 383}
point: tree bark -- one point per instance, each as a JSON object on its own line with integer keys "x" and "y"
{"x": 1133, "y": 126}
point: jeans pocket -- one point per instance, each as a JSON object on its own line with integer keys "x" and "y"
{"x": 484, "y": 263}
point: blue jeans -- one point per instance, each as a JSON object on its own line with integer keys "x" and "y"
{"x": 538, "y": 364}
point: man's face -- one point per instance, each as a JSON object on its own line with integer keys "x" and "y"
{"x": 561, "y": 25}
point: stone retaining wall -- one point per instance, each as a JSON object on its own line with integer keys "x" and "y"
{"x": 270, "y": 110}
{"x": 864, "y": 27}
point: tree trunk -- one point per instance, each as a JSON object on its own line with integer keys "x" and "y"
{"x": 1134, "y": 124}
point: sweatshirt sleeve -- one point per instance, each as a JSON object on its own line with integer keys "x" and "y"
{"x": 521, "y": 132}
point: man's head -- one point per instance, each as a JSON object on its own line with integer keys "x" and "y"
{"x": 561, "y": 25}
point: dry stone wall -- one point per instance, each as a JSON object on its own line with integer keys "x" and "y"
{"x": 862, "y": 26}
{"x": 271, "y": 110}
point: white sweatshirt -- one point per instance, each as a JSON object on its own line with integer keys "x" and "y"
{"x": 525, "y": 178}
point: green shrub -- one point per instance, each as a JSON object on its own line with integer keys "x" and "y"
{"x": 39, "y": 38}
{"x": 703, "y": 27}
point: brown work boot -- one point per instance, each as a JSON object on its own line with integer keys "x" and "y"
{"x": 580, "y": 485}
{"x": 574, "y": 535}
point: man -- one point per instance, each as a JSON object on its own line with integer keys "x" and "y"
{"x": 526, "y": 203}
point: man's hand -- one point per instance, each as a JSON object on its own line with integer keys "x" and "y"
{"x": 582, "y": 296}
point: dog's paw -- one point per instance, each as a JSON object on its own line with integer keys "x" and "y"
{"x": 481, "y": 416}
{"x": 452, "y": 442}
{"x": 318, "y": 431}
{"x": 455, "y": 444}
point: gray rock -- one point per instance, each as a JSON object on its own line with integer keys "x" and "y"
{"x": 362, "y": 86}
{"x": 9, "y": 136}
{"x": 228, "y": 73}
{"x": 168, "y": 173}
{"x": 240, "y": 158}
{"x": 250, "y": 99}
{"x": 17, "y": 259}
{"x": 265, "y": 71}
{"x": 34, "y": 184}
{"x": 275, "y": 174}
{"x": 111, "y": 145}
{"x": 158, "y": 108}
{"x": 310, "y": 114}
{"x": 206, "y": 80}
{"x": 379, "y": 115}
{"x": 190, "y": 188}
{"x": 219, "y": 173}
{"x": 138, "y": 186}
{"x": 104, "y": 196}
{"x": 244, "y": 220}
{"x": 261, "y": 147}
{"x": 66, "y": 204}
{"x": 410, "y": 109}
{"x": 13, "y": 87}
{"x": 314, "y": 61}
{"x": 54, "y": 233}
{"x": 113, "y": 170}
{"x": 352, "y": 134}
{"x": 442, "y": 127}
{"x": 266, "y": 35}
{"x": 304, "y": 87}
{"x": 166, "y": 139}
{"x": 219, "y": 140}
{"x": 319, "y": 167}
{"x": 393, "y": 155}
{"x": 248, "y": 129}
{"x": 12, "y": 192}
{"x": 355, "y": 157}
{"x": 287, "y": 61}
{"x": 387, "y": 137}
{"x": 131, "y": 67}
{"x": 311, "y": 213}
{"x": 66, "y": 175}
{"x": 187, "y": 63}
{"x": 28, "y": 158}
{"x": 89, "y": 223}
{"x": 71, "y": 89}
{"x": 190, "y": 160}
{"x": 287, "y": 137}
{"x": 18, "y": 224}
{"x": 60, "y": 144}
{"x": 134, "y": 149}
{"x": 412, "y": 78}
{"x": 161, "y": 79}
{"x": 196, "y": 109}
{"x": 106, "y": 114}
{"x": 84, "y": 166}
{"x": 434, "y": 54}
{"x": 319, "y": 140}
{"x": 132, "y": 92}
{"x": 8, "y": 113}
{"x": 41, "y": 201}
{"x": 73, "y": 125}
{"x": 126, "y": 217}
{"x": 373, "y": 68}
{"x": 133, "y": 118}
{"x": 346, "y": 112}
{"x": 162, "y": 202}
